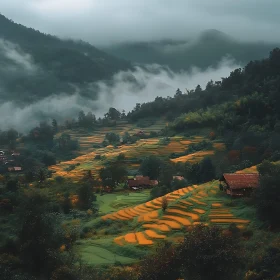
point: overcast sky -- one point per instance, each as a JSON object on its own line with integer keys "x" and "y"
{"x": 110, "y": 21}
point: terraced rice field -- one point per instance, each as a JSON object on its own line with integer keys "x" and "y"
{"x": 186, "y": 207}
{"x": 195, "y": 157}
{"x": 144, "y": 147}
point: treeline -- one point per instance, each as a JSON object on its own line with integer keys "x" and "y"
{"x": 261, "y": 77}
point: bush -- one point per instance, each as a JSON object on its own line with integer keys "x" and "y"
{"x": 70, "y": 167}
{"x": 203, "y": 145}
{"x": 59, "y": 179}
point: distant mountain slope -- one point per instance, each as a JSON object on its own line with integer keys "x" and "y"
{"x": 204, "y": 51}
{"x": 57, "y": 62}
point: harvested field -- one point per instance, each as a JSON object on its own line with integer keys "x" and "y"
{"x": 195, "y": 217}
{"x": 152, "y": 234}
{"x": 171, "y": 224}
{"x": 182, "y": 221}
{"x": 119, "y": 240}
{"x": 148, "y": 217}
{"x": 239, "y": 221}
{"x": 197, "y": 201}
{"x": 130, "y": 238}
{"x": 195, "y": 157}
{"x": 161, "y": 227}
{"x": 142, "y": 240}
{"x": 217, "y": 205}
{"x": 200, "y": 211}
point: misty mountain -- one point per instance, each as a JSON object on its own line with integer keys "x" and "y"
{"x": 34, "y": 65}
{"x": 206, "y": 50}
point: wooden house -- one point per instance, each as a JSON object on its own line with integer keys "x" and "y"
{"x": 141, "y": 182}
{"x": 237, "y": 185}
{"x": 15, "y": 169}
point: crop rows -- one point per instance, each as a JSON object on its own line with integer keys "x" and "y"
{"x": 183, "y": 211}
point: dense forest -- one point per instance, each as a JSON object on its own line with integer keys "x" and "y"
{"x": 37, "y": 65}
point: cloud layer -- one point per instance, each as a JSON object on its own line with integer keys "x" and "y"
{"x": 110, "y": 21}
{"x": 124, "y": 91}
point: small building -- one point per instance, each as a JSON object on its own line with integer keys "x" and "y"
{"x": 139, "y": 133}
{"x": 141, "y": 182}
{"x": 15, "y": 169}
{"x": 179, "y": 178}
{"x": 238, "y": 185}
{"x": 3, "y": 158}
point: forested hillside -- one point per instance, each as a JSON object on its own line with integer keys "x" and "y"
{"x": 243, "y": 109}
{"x": 205, "y": 51}
{"x": 36, "y": 64}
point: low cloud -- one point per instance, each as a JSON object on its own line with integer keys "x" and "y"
{"x": 126, "y": 88}
{"x": 16, "y": 59}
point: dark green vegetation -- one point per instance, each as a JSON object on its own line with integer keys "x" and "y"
{"x": 268, "y": 195}
{"x": 206, "y": 51}
{"x": 241, "y": 110}
{"x": 37, "y": 65}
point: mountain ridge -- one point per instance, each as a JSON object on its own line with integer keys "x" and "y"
{"x": 62, "y": 61}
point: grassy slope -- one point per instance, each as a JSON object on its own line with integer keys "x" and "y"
{"x": 111, "y": 202}
{"x": 130, "y": 226}
{"x": 140, "y": 228}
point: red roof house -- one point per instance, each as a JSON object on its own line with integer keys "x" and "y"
{"x": 239, "y": 184}
{"x": 140, "y": 182}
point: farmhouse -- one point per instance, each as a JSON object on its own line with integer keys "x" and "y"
{"x": 14, "y": 169}
{"x": 239, "y": 184}
{"x": 139, "y": 133}
{"x": 179, "y": 178}
{"x": 141, "y": 182}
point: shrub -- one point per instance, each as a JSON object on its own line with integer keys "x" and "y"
{"x": 59, "y": 179}
{"x": 212, "y": 135}
{"x": 164, "y": 203}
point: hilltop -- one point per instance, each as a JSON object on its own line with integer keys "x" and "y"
{"x": 38, "y": 65}
{"x": 203, "y": 51}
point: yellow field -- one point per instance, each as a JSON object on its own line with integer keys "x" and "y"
{"x": 85, "y": 159}
{"x": 181, "y": 212}
{"x": 195, "y": 157}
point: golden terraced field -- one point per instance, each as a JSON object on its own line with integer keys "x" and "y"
{"x": 144, "y": 147}
{"x": 187, "y": 206}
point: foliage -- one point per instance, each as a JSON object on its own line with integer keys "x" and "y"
{"x": 112, "y": 138}
{"x": 195, "y": 147}
{"x": 163, "y": 264}
{"x": 200, "y": 172}
{"x": 113, "y": 174}
{"x": 39, "y": 234}
{"x": 268, "y": 194}
{"x": 150, "y": 167}
{"x": 164, "y": 203}
{"x": 208, "y": 254}
{"x": 205, "y": 253}
{"x": 86, "y": 196}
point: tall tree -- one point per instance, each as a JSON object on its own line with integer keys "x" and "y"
{"x": 268, "y": 193}
{"x": 150, "y": 166}
{"x": 54, "y": 125}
